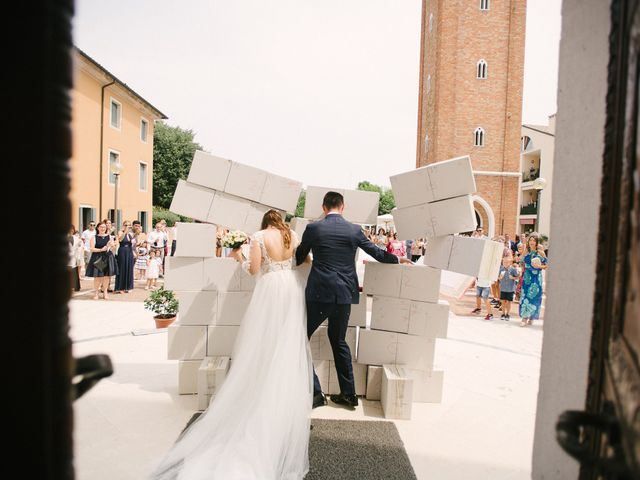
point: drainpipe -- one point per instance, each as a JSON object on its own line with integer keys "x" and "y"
{"x": 101, "y": 144}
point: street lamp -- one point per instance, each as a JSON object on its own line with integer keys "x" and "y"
{"x": 539, "y": 184}
{"x": 116, "y": 170}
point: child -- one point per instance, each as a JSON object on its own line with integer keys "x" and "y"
{"x": 153, "y": 269}
{"x": 142, "y": 255}
{"x": 483, "y": 286}
{"x": 508, "y": 277}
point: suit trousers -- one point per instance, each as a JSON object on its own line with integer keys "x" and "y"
{"x": 338, "y": 315}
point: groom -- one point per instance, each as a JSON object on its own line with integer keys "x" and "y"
{"x": 333, "y": 286}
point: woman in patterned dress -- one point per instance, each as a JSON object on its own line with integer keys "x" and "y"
{"x": 531, "y": 293}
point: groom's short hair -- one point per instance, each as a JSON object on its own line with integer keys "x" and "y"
{"x": 332, "y": 200}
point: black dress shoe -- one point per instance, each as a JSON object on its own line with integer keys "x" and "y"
{"x": 319, "y": 400}
{"x": 341, "y": 399}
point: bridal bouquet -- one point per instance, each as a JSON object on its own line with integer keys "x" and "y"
{"x": 234, "y": 239}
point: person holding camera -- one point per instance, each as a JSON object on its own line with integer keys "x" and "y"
{"x": 102, "y": 264}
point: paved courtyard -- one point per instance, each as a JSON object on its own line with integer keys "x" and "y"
{"x": 482, "y": 429}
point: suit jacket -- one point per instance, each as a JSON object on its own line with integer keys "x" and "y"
{"x": 334, "y": 242}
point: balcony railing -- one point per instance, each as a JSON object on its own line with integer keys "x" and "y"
{"x": 531, "y": 209}
{"x": 530, "y": 176}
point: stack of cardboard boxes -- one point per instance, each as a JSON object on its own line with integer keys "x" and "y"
{"x": 215, "y": 292}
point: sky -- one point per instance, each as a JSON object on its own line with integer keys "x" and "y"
{"x": 325, "y": 92}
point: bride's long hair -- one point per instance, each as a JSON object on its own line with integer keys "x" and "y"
{"x": 274, "y": 219}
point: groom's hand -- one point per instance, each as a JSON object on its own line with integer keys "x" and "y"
{"x": 405, "y": 261}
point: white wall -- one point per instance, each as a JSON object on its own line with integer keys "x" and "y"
{"x": 576, "y": 199}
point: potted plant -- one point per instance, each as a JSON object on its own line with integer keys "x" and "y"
{"x": 164, "y": 304}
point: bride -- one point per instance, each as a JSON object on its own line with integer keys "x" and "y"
{"x": 257, "y": 425}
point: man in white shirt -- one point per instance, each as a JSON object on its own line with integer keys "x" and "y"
{"x": 87, "y": 235}
{"x": 157, "y": 239}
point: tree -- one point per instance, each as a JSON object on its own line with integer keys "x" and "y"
{"x": 173, "y": 150}
{"x": 387, "y": 202}
{"x": 301, "y": 203}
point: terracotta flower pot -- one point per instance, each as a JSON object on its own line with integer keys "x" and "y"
{"x": 163, "y": 321}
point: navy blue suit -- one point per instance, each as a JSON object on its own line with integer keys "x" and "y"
{"x": 333, "y": 285}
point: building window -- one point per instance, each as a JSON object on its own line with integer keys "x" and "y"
{"x": 114, "y": 157}
{"x": 430, "y": 22}
{"x": 479, "y": 137}
{"x": 143, "y": 176}
{"x": 426, "y": 143}
{"x": 481, "y": 69}
{"x": 428, "y": 83}
{"x": 142, "y": 216}
{"x": 484, "y": 4}
{"x": 87, "y": 215}
{"x": 144, "y": 129}
{"x": 116, "y": 114}
{"x": 115, "y": 221}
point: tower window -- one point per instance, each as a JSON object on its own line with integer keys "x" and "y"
{"x": 484, "y": 4}
{"x": 426, "y": 143}
{"x": 478, "y": 137}
{"x": 430, "y": 22}
{"x": 481, "y": 69}
{"x": 428, "y": 83}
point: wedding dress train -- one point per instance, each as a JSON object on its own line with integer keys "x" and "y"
{"x": 257, "y": 425}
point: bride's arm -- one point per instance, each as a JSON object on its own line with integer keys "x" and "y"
{"x": 252, "y": 265}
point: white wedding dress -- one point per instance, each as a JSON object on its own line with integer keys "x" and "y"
{"x": 257, "y": 426}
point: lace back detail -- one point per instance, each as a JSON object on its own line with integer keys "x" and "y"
{"x": 268, "y": 264}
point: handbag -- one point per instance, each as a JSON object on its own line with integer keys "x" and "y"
{"x": 100, "y": 264}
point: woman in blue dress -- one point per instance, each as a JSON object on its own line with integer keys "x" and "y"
{"x": 125, "y": 259}
{"x": 534, "y": 262}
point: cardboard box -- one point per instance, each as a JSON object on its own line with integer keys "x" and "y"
{"x": 437, "y": 181}
{"x": 197, "y": 307}
{"x": 209, "y": 171}
{"x": 226, "y": 275}
{"x": 429, "y": 320}
{"x": 396, "y": 395}
{"x": 246, "y": 182}
{"x": 183, "y": 273}
{"x": 220, "y": 340}
{"x": 299, "y": 225}
{"x": 438, "y": 252}
{"x": 232, "y": 306}
{"x": 413, "y": 222}
{"x": 361, "y": 207}
{"x": 411, "y": 188}
{"x": 451, "y": 178}
{"x": 186, "y": 342}
{"x": 390, "y": 314}
{"x": 196, "y": 240}
{"x": 476, "y": 257}
{"x": 376, "y": 347}
{"x": 374, "y": 382}
{"x": 427, "y": 386}
{"x": 281, "y": 193}
{"x": 382, "y": 279}
{"x": 415, "y": 352}
{"x": 191, "y": 200}
{"x": 188, "y": 376}
{"x": 229, "y": 211}
{"x": 420, "y": 283}
{"x": 359, "y": 379}
{"x": 454, "y": 215}
{"x": 253, "y": 220}
{"x": 321, "y": 347}
{"x": 358, "y": 317}
{"x": 211, "y": 374}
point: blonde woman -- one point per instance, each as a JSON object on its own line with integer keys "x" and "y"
{"x": 102, "y": 264}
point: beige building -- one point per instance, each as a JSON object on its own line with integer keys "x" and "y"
{"x": 112, "y": 125}
{"x": 471, "y": 76}
{"x": 536, "y": 160}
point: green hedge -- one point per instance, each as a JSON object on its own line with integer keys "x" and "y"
{"x": 171, "y": 218}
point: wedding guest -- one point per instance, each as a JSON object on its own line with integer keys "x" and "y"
{"x": 416, "y": 249}
{"x": 511, "y": 245}
{"x": 483, "y": 286}
{"x": 87, "y": 235}
{"x": 154, "y": 264}
{"x": 102, "y": 264}
{"x": 381, "y": 239}
{"x": 508, "y": 277}
{"x": 114, "y": 248}
{"x": 532, "y": 286}
{"x": 142, "y": 255}
{"x": 517, "y": 260}
{"x": 76, "y": 257}
{"x": 157, "y": 239}
{"x": 396, "y": 246}
{"x": 138, "y": 235}
{"x": 125, "y": 259}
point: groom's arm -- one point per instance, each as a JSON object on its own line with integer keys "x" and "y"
{"x": 305, "y": 245}
{"x": 380, "y": 255}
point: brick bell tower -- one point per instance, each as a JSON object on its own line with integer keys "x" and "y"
{"x": 470, "y": 100}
